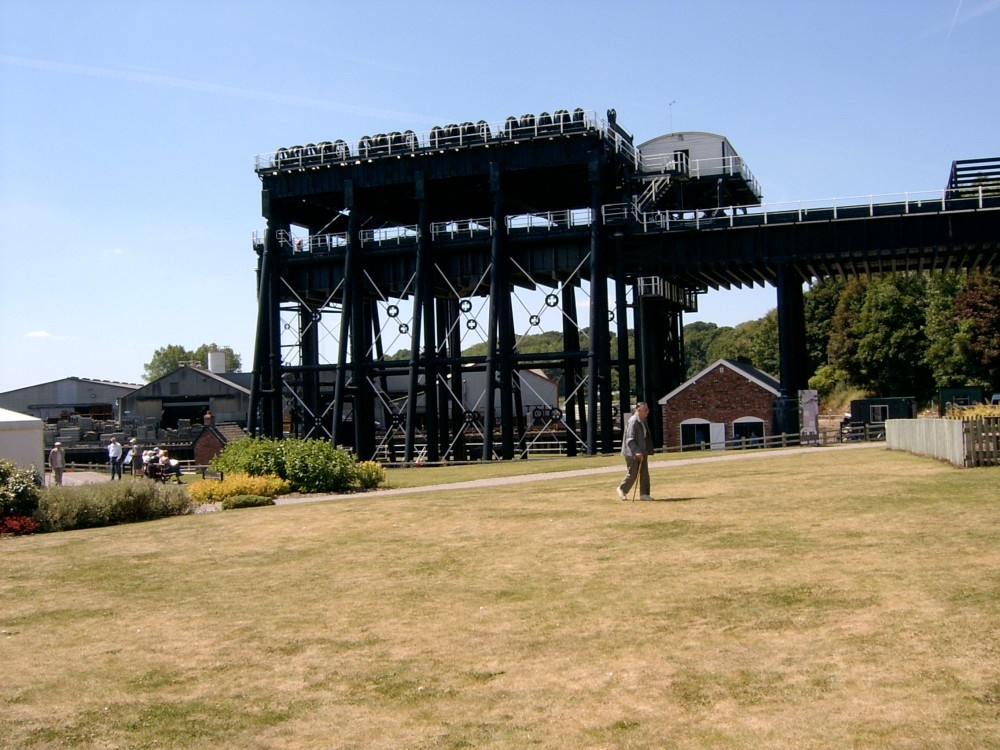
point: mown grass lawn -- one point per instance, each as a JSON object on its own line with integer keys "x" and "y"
{"x": 827, "y": 599}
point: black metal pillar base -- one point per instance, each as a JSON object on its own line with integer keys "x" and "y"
{"x": 786, "y": 416}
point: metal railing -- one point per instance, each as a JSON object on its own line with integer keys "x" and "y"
{"x": 680, "y": 164}
{"x": 865, "y": 206}
{"x": 830, "y": 209}
{"x": 402, "y": 235}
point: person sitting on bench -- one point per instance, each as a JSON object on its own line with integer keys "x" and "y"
{"x": 169, "y": 466}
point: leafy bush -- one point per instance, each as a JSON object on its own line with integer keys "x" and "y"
{"x": 369, "y": 474}
{"x": 308, "y": 465}
{"x": 317, "y": 466}
{"x": 90, "y": 505}
{"x": 214, "y": 491}
{"x": 253, "y": 456}
{"x": 17, "y": 525}
{"x": 245, "y": 501}
{"x": 19, "y": 489}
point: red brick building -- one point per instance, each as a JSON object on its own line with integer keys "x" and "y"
{"x": 213, "y": 439}
{"x": 724, "y": 401}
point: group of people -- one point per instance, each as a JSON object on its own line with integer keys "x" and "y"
{"x": 155, "y": 463}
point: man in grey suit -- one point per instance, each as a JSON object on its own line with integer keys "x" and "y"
{"x": 637, "y": 444}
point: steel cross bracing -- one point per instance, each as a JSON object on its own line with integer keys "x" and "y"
{"x": 396, "y": 316}
{"x": 315, "y": 418}
{"x": 555, "y": 226}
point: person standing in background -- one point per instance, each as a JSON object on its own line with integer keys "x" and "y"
{"x": 136, "y": 457}
{"x": 115, "y": 457}
{"x": 57, "y": 462}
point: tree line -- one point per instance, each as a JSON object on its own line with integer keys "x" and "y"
{"x": 903, "y": 334}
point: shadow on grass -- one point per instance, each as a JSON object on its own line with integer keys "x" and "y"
{"x": 668, "y": 499}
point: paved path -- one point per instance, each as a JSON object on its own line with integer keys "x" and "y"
{"x": 73, "y": 478}
{"x": 616, "y": 469}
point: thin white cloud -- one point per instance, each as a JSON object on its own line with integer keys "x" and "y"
{"x": 963, "y": 14}
{"x": 954, "y": 20}
{"x": 38, "y": 335}
{"x": 206, "y": 87}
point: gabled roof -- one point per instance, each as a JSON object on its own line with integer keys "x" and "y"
{"x": 227, "y": 432}
{"x": 238, "y": 380}
{"x": 750, "y": 372}
{"x": 12, "y": 420}
{"x": 95, "y": 381}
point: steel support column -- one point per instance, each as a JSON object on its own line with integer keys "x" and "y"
{"x": 306, "y": 424}
{"x": 791, "y": 348}
{"x": 361, "y": 368}
{"x": 446, "y": 404}
{"x": 454, "y": 338}
{"x": 571, "y": 369}
{"x": 351, "y": 261}
{"x": 431, "y": 416}
{"x": 598, "y": 354}
{"x": 269, "y": 323}
{"x": 621, "y": 318}
{"x": 419, "y": 307}
{"x": 268, "y": 342}
{"x": 499, "y": 339}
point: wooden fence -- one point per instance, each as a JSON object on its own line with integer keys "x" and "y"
{"x": 969, "y": 442}
{"x": 982, "y": 441}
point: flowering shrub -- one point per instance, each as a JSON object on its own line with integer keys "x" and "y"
{"x": 369, "y": 475}
{"x": 213, "y": 491}
{"x": 17, "y": 525}
{"x": 308, "y": 465}
{"x": 19, "y": 489}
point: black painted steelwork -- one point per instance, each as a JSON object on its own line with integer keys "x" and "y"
{"x": 408, "y": 240}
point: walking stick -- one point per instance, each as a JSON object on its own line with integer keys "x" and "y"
{"x": 638, "y": 472}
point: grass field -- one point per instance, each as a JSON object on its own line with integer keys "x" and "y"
{"x": 828, "y": 599}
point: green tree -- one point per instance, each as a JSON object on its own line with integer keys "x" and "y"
{"x": 977, "y": 308}
{"x": 891, "y": 341}
{"x": 698, "y": 340}
{"x": 820, "y": 305}
{"x": 947, "y": 335}
{"x": 755, "y": 342}
{"x": 170, "y": 357}
{"x": 764, "y": 353}
{"x": 843, "y": 340}
{"x": 732, "y": 343}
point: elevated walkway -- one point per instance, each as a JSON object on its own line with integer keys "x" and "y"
{"x": 970, "y": 178}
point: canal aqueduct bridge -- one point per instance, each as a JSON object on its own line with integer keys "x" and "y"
{"x": 480, "y": 233}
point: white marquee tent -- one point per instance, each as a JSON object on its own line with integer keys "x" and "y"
{"x": 21, "y": 439}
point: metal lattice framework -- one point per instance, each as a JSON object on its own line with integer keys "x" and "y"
{"x": 452, "y": 246}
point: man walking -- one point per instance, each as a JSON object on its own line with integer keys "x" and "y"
{"x": 57, "y": 462}
{"x": 637, "y": 444}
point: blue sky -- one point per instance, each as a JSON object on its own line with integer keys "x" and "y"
{"x": 129, "y": 130}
